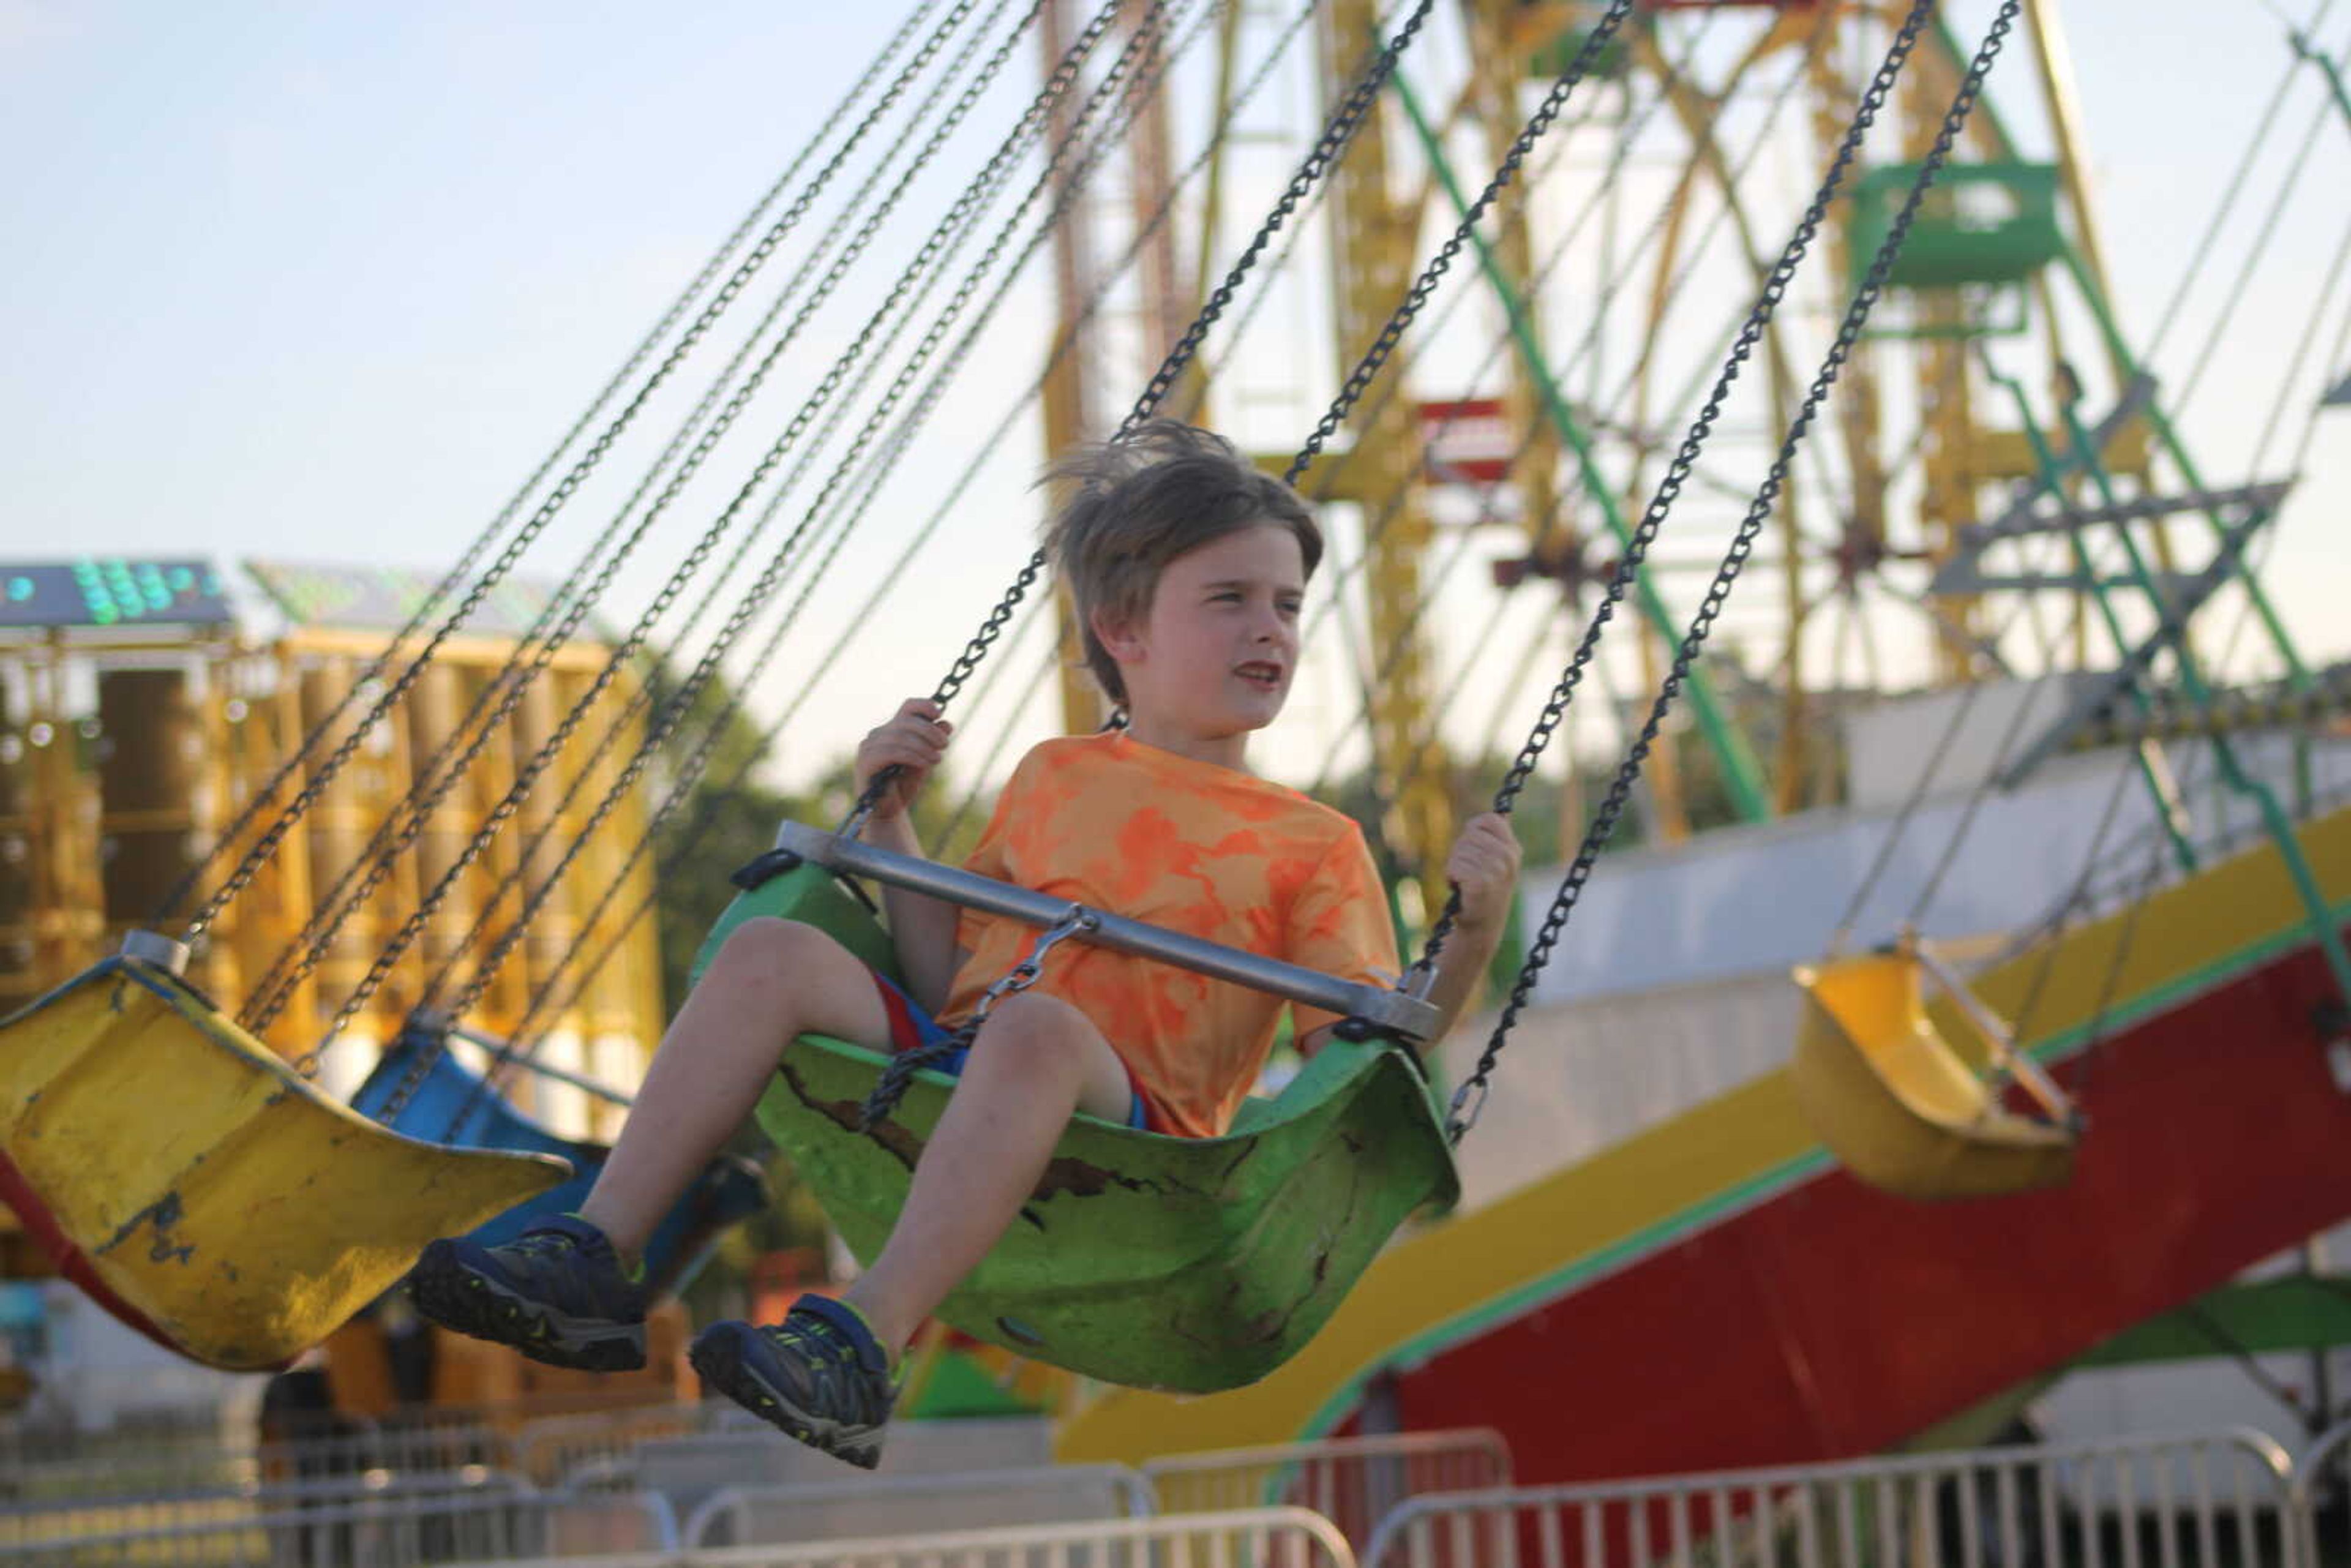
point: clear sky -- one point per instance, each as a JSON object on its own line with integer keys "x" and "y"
{"x": 325, "y": 280}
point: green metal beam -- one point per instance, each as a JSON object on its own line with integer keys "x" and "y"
{"x": 2232, "y": 773}
{"x": 2296, "y": 670}
{"x": 1742, "y": 773}
{"x": 2167, "y": 807}
{"x": 2119, "y": 351}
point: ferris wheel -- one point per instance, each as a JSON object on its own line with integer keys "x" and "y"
{"x": 1488, "y": 491}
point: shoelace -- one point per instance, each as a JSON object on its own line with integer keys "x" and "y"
{"x": 546, "y": 1243}
{"x": 817, "y": 1343}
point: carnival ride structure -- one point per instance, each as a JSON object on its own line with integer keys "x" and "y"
{"x": 1954, "y": 271}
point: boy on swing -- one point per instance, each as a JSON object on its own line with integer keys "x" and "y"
{"x": 1188, "y": 567}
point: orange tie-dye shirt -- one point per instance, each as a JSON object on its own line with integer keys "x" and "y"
{"x": 1109, "y": 822}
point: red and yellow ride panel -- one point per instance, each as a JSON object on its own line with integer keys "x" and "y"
{"x": 1715, "y": 1292}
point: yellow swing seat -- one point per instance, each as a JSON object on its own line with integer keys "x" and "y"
{"x": 195, "y": 1178}
{"x": 1897, "y": 1106}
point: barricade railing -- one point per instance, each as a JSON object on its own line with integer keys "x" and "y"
{"x": 900, "y": 1505}
{"x": 1244, "y": 1538}
{"x": 2322, "y": 1498}
{"x": 209, "y": 1464}
{"x": 1352, "y": 1481}
{"x": 51, "y": 1523}
{"x": 391, "y": 1531}
{"x": 549, "y": 1450}
{"x": 2201, "y": 1500}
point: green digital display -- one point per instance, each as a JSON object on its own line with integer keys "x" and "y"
{"x": 111, "y": 590}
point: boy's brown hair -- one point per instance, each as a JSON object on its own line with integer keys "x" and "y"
{"x": 1129, "y": 507}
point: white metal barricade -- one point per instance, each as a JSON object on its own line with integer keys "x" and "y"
{"x": 206, "y": 1465}
{"x": 1246, "y": 1538}
{"x": 904, "y": 1505}
{"x": 2205, "y": 1500}
{"x": 49, "y": 1524}
{"x": 2322, "y": 1488}
{"x": 385, "y": 1532}
{"x": 1352, "y": 1481}
{"x": 549, "y": 1449}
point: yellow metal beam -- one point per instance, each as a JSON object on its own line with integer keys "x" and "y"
{"x": 1373, "y": 249}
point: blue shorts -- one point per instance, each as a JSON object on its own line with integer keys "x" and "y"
{"x": 911, "y": 1027}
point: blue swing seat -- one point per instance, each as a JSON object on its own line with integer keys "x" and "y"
{"x": 730, "y": 1188}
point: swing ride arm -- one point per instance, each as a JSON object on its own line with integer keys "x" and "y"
{"x": 1398, "y": 1012}
{"x": 1740, "y": 769}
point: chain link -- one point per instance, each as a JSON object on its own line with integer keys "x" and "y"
{"x": 757, "y": 596}
{"x": 266, "y": 846}
{"x": 525, "y": 1040}
{"x": 1383, "y": 346}
{"x": 1471, "y": 1099}
{"x": 510, "y": 691}
{"x": 900, "y": 1073}
{"x": 950, "y": 229}
{"x": 1337, "y": 133}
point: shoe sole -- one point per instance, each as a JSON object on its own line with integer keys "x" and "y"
{"x": 457, "y": 1298}
{"x": 719, "y": 1361}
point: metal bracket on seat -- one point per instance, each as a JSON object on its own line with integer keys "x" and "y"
{"x": 152, "y": 947}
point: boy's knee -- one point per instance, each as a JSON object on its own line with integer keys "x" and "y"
{"x": 1031, "y": 1021}
{"x": 768, "y": 941}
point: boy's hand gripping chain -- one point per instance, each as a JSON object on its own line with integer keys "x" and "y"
{"x": 1023, "y": 975}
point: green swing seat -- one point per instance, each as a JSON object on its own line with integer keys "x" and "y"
{"x": 1185, "y": 1264}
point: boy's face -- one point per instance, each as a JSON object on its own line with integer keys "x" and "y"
{"x": 1214, "y": 655}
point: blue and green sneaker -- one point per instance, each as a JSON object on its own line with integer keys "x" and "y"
{"x": 558, "y": 1293}
{"x": 820, "y": 1376}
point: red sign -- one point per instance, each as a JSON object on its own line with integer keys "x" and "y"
{"x": 1467, "y": 440}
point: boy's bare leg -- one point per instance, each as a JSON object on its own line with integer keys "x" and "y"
{"x": 1037, "y": 1061}
{"x": 772, "y": 980}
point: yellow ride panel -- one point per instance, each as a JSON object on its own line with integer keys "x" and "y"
{"x": 210, "y": 1185}
{"x": 1893, "y": 1101}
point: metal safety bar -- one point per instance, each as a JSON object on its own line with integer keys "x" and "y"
{"x": 1399, "y": 1011}
{"x": 2218, "y": 1500}
{"x": 2054, "y": 1101}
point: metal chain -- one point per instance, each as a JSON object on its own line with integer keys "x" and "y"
{"x": 335, "y": 907}
{"x": 949, "y": 229}
{"x": 1144, "y": 45}
{"x": 900, "y": 1073}
{"x": 463, "y": 571}
{"x": 1393, "y": 504}
{"x": 1338, "y": 132}
{"x": 1383, "y": 346}
{"x": 522, "y": 1044}
{"x": 1469, "y": 1099}
{"x": 643, "y": 695}
{"x": 389, "y": 843}
{"x": 265, "y": 847}
{"x": 474, "y": 731}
